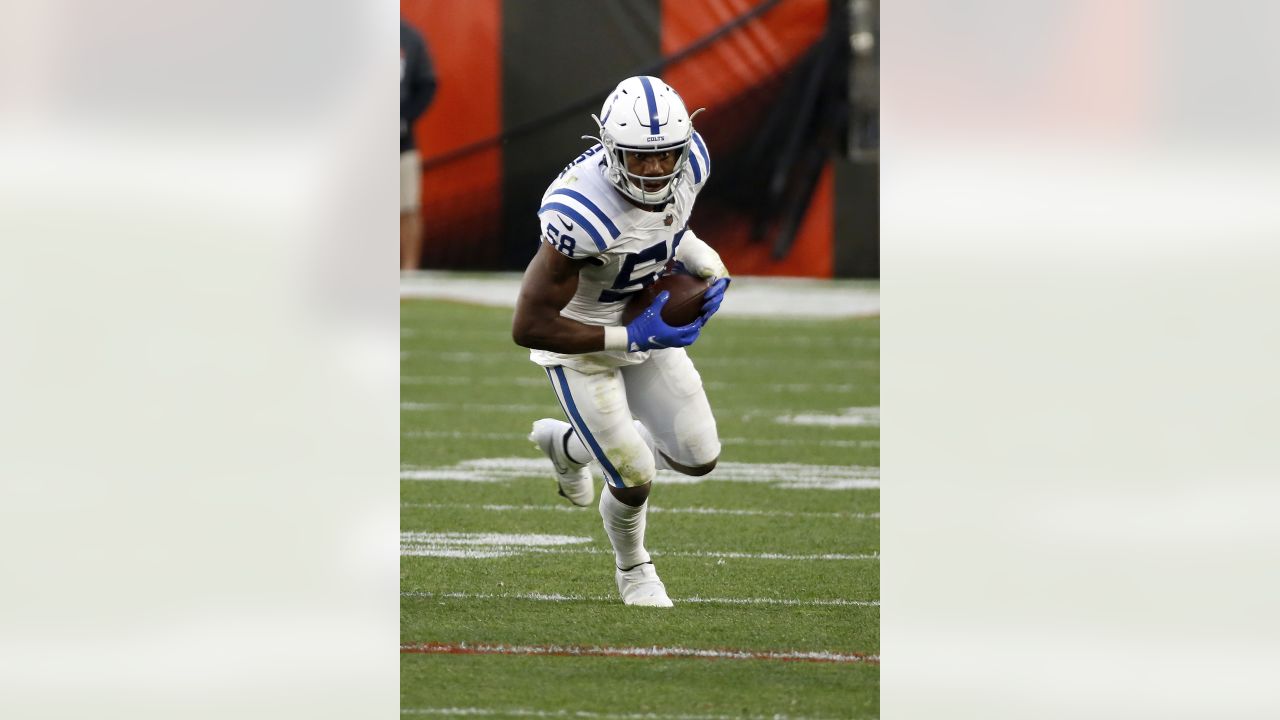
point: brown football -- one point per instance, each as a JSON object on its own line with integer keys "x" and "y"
{"x": 682, "y": 308}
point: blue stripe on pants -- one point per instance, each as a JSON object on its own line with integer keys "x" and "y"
{"x": 610, "y": 473}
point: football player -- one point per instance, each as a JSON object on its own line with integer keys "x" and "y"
{"x": 610, "y": 222}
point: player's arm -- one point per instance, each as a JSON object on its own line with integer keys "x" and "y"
{"x": 549, "y": 284}
{"x": 699, "y": 257}
{"x": 702, "y": 260}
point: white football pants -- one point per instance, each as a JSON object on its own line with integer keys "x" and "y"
{"x": 664, "y": 393}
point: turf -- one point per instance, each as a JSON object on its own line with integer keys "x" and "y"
{"x": 801, "y": 563}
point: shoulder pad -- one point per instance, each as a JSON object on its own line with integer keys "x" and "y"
{"x": 585, "y": 215}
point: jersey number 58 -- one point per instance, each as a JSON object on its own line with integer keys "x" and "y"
{"x": 625, "y": 284}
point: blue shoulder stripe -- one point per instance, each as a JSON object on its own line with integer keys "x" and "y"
{"x": 697, "y": 171}
{"x": 706, "y": 156}
{"x": 595, "y": 209}
{"x": 577, "y": 216}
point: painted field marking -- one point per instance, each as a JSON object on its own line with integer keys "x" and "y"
{"x": 847, "y": 418}
{"x": 788, "y": 476}
{"x": 494, "y": 545}
{"x": 783, "y": 442}
{"x": 586, "y": 714}
{"x": 636, "y": 652}
{"x": 481, "y": 545}
{"x": 463, "y": 435}
{"x": 652, "y": 508}
{"x": 555, "y": 597}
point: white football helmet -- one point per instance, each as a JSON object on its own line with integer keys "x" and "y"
{"x": 644, "y": 115}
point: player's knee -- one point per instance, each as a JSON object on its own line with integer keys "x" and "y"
{"x": 703, "y": 469}
{"x": 699, "y": 454}
{"x": 633, "y": 496}
{"x": 634, "y": 465}
{"x": 697, "y": 470}
{"x": 635, "y": 477}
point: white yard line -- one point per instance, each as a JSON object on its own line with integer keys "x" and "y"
{"x": 760, "y": 441}
{"x": 635, "y": 652}
{"x": 652, "y": 508}
{"x": 495, "y": 545}
{"x": 463, "y": 434}
{"x": 849, "y": 417}
{"x": 787, "y": 476}
{"x": 555, "y": 597}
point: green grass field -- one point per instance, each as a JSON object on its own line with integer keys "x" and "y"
{"x": 777, "y": 551}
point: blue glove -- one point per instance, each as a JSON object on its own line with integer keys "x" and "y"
{"x": 649, "y": 332}
{"x": 712, "y": 298}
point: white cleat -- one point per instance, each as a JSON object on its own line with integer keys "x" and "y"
{"x": 640, "y": 586}
{"x": 574, "y": 479}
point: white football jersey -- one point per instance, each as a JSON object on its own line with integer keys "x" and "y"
{"x": 584, "y": 217}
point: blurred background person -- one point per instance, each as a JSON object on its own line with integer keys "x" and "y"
{"x": 417, "y": 88}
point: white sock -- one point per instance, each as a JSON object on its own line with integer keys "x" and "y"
{"x": 573, "y": 448}
{"x": 658, "y": 459}
{"x": 625, "y": 527}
